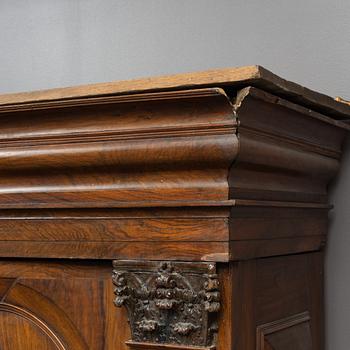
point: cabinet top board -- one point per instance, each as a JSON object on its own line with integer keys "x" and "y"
{"x": 230, "y": 79}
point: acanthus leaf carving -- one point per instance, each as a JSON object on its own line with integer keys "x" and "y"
{"x": 169, "y": 302}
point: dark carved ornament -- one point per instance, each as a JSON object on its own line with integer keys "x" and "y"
{"x": 169, "y": 302}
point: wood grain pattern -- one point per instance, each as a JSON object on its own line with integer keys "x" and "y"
{"x": 21, "y": 329}
{"x": 278, "y": 141}
{"x": 140, "y": 151}
{"x": 72, "y": 303}
{"x": 18, "y": 333}
{"x": 229, "y": 77}
{"x": 115, "y": 230}
{"x": 185, "y": 251}
{"x": 228, "y": 166}
{"x": 291, "y": 333}
{"x": 276, "y": 293}
{"x": 160, "y": 150}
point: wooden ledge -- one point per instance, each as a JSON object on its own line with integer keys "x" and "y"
{"x": 152, "y": 346}
{"x": 232, "y": 78}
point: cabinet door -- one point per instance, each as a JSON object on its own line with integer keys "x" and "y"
{"x": 20, "y": 329}
{"x": 47, "y": 305}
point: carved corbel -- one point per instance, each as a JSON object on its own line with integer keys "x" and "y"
{"x": 168, "y": 303}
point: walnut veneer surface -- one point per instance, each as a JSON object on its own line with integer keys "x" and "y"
{"x": 195, "y": 203}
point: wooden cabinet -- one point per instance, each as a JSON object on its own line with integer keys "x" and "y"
{"x": 181, "y": 212}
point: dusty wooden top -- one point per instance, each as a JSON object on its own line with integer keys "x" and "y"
{"x": 229, "y": 77}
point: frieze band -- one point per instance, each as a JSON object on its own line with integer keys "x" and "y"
{"x": 169, "y": 302}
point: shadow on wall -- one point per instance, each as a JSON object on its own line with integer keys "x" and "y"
{"x": 337, "y": 266}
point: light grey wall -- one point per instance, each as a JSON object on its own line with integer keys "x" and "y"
{"x": 55, "y": 43}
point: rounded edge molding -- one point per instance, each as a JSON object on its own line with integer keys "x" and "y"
{"x": 13, "y": 309}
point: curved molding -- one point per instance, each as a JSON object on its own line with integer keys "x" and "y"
{"x": 286, "y": 152}
{"x": 111, "y": 151}
{"x": 12, "y": 309}
{"x": 35, "y": 304}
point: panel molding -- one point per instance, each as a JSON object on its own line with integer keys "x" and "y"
{"x": 267, "y": 329}
{"x": 30, "y": 317}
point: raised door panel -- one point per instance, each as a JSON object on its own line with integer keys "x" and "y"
{"x": 291, "y": 333}
{"x": 46, "y": 305}
{"x": 297, "y": 338}
{"x": 22, "y": 330}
